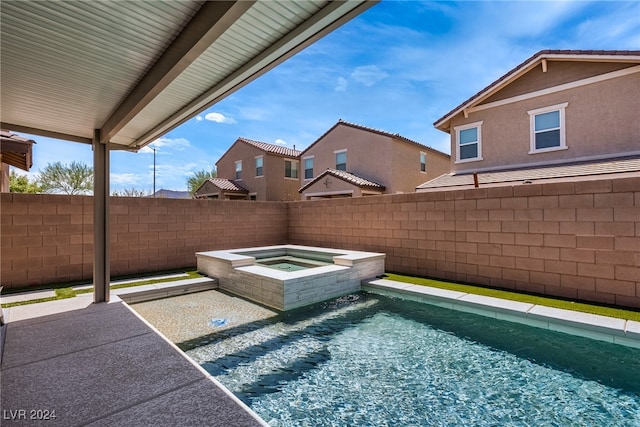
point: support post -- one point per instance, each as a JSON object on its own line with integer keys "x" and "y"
{"x": 101, "y": 241}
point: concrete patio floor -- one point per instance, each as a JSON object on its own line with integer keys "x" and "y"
{"x": 102, "y": 365}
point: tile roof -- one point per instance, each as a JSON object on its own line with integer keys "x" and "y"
{"x": 531, "y": 175}
{"x": 378, "y": 131}
{"x": 555, "y": 54}
{"x": 272, "y": 148}
{"x": 8, "y": 135}
{"x": 349, "y": 177}
{"x": 228, "y": 185}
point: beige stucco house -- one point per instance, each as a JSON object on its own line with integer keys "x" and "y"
{"x": 351, "y": 160}
{"x": 556, "y": 109}
{"x": 255, "y": 170}
{"x": 221, "y": 188}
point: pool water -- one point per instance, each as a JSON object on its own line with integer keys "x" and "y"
{"x": 370, "y": 360}
{"x": 290, "y": 263}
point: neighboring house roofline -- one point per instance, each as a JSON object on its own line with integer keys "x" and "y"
{"x": 396, "y": 136}
{"x": 16, "y": 150}
{"x": 530, "y": 63}
{"x": 527, "y": 175}
{"x": 277, "y": 150}
{"x": 226, "y": 185}
{"x": 548, "y": 163}
{"x": 170, "y": 194}
{"x": 349, "y": 177}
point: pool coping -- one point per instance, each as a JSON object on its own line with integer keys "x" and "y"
{"x": 238, "y": 271}
{"x": 594, "y": 326}
{"x": 342, "y": 259}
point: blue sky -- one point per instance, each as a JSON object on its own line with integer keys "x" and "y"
{"x": 398, "y": 67}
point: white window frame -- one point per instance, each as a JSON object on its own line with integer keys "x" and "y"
{"x": 293, "y": 161}
{"x": 345, "y": 161}
{"x": 562, "y": 129}
{"x": 238, "y": 166}
{"x": 261, "y": 167}
{"x": 304, "y": 167}
{"x": 457, "y": 129}
{"x": 423, "y": 154}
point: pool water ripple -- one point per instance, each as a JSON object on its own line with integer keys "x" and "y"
{"x": 379, "y": 361}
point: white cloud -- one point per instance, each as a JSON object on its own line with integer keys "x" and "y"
{"x": 166, "y": 144}
{"x": 281, "y": 142}
{"x": 368, "y": 75}
{"x": 171, "y": 170}
{"x": 199, "y": 118}
{"x": 219, "y": 118}
{"x": 255, "y": 113}
{"x": 511, "y": 20}
{"x": 341, "y": 86}
{"x": 125, "y": 179}
{"x": 612, "y": 29}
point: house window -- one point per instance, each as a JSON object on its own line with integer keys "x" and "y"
{"x": 341, "y": 160}
{"x": 308, "y": 168}
{"x": 469, "y": 142}
{"x": 239, "y": 169}
{"x": 423, "y": 162}
{"x": 291, "y": 169}
{"x": 258, "y": 166}
{"x": 547, "y": 129}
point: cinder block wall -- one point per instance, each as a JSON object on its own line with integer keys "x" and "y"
{"x": 49, "y": 238}
{"x": 577, "y": 240}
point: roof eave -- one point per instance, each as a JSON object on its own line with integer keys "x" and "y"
{"x": 332, "y": 16}
{"x": 515, "y": 73}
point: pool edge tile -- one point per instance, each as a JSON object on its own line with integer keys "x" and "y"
{"x": 576, "y": 319}
{"x": 598, "y": 327}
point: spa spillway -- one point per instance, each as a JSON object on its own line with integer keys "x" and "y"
{"x": 289, "y": 276}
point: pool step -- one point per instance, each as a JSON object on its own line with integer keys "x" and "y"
{"x": 247, "y": 361}
{"x": 163, "y": 290}
{"x": 269, "y": 371}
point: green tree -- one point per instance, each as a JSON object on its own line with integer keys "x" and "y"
{"x": 195, "y": 181}
{"x": 130, "y": 192}
{"x": 21, "y": 184}
{"x": 75, "y": 178}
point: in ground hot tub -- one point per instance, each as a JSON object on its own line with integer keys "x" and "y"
{"x": 290, "y": 276}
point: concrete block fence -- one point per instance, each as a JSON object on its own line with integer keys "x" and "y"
{"x": 49, "y": 238}
{"x": 573, "y": 239}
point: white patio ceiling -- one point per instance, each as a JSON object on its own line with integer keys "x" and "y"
{"x": 118, "y": 74}
{"x": 136, "y": 69}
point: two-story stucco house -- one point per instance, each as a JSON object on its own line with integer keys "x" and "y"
{"x": 350, "y": 160}
{"x": 255, "y": 170}
{"x": 559, "y": 114}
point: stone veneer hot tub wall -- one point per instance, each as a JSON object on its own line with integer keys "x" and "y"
{"x": 238, "y": 273}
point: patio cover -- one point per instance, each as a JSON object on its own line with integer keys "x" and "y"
{"x": 120, "y": 74}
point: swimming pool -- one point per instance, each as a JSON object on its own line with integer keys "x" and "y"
{"x": 372, "y": 360}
